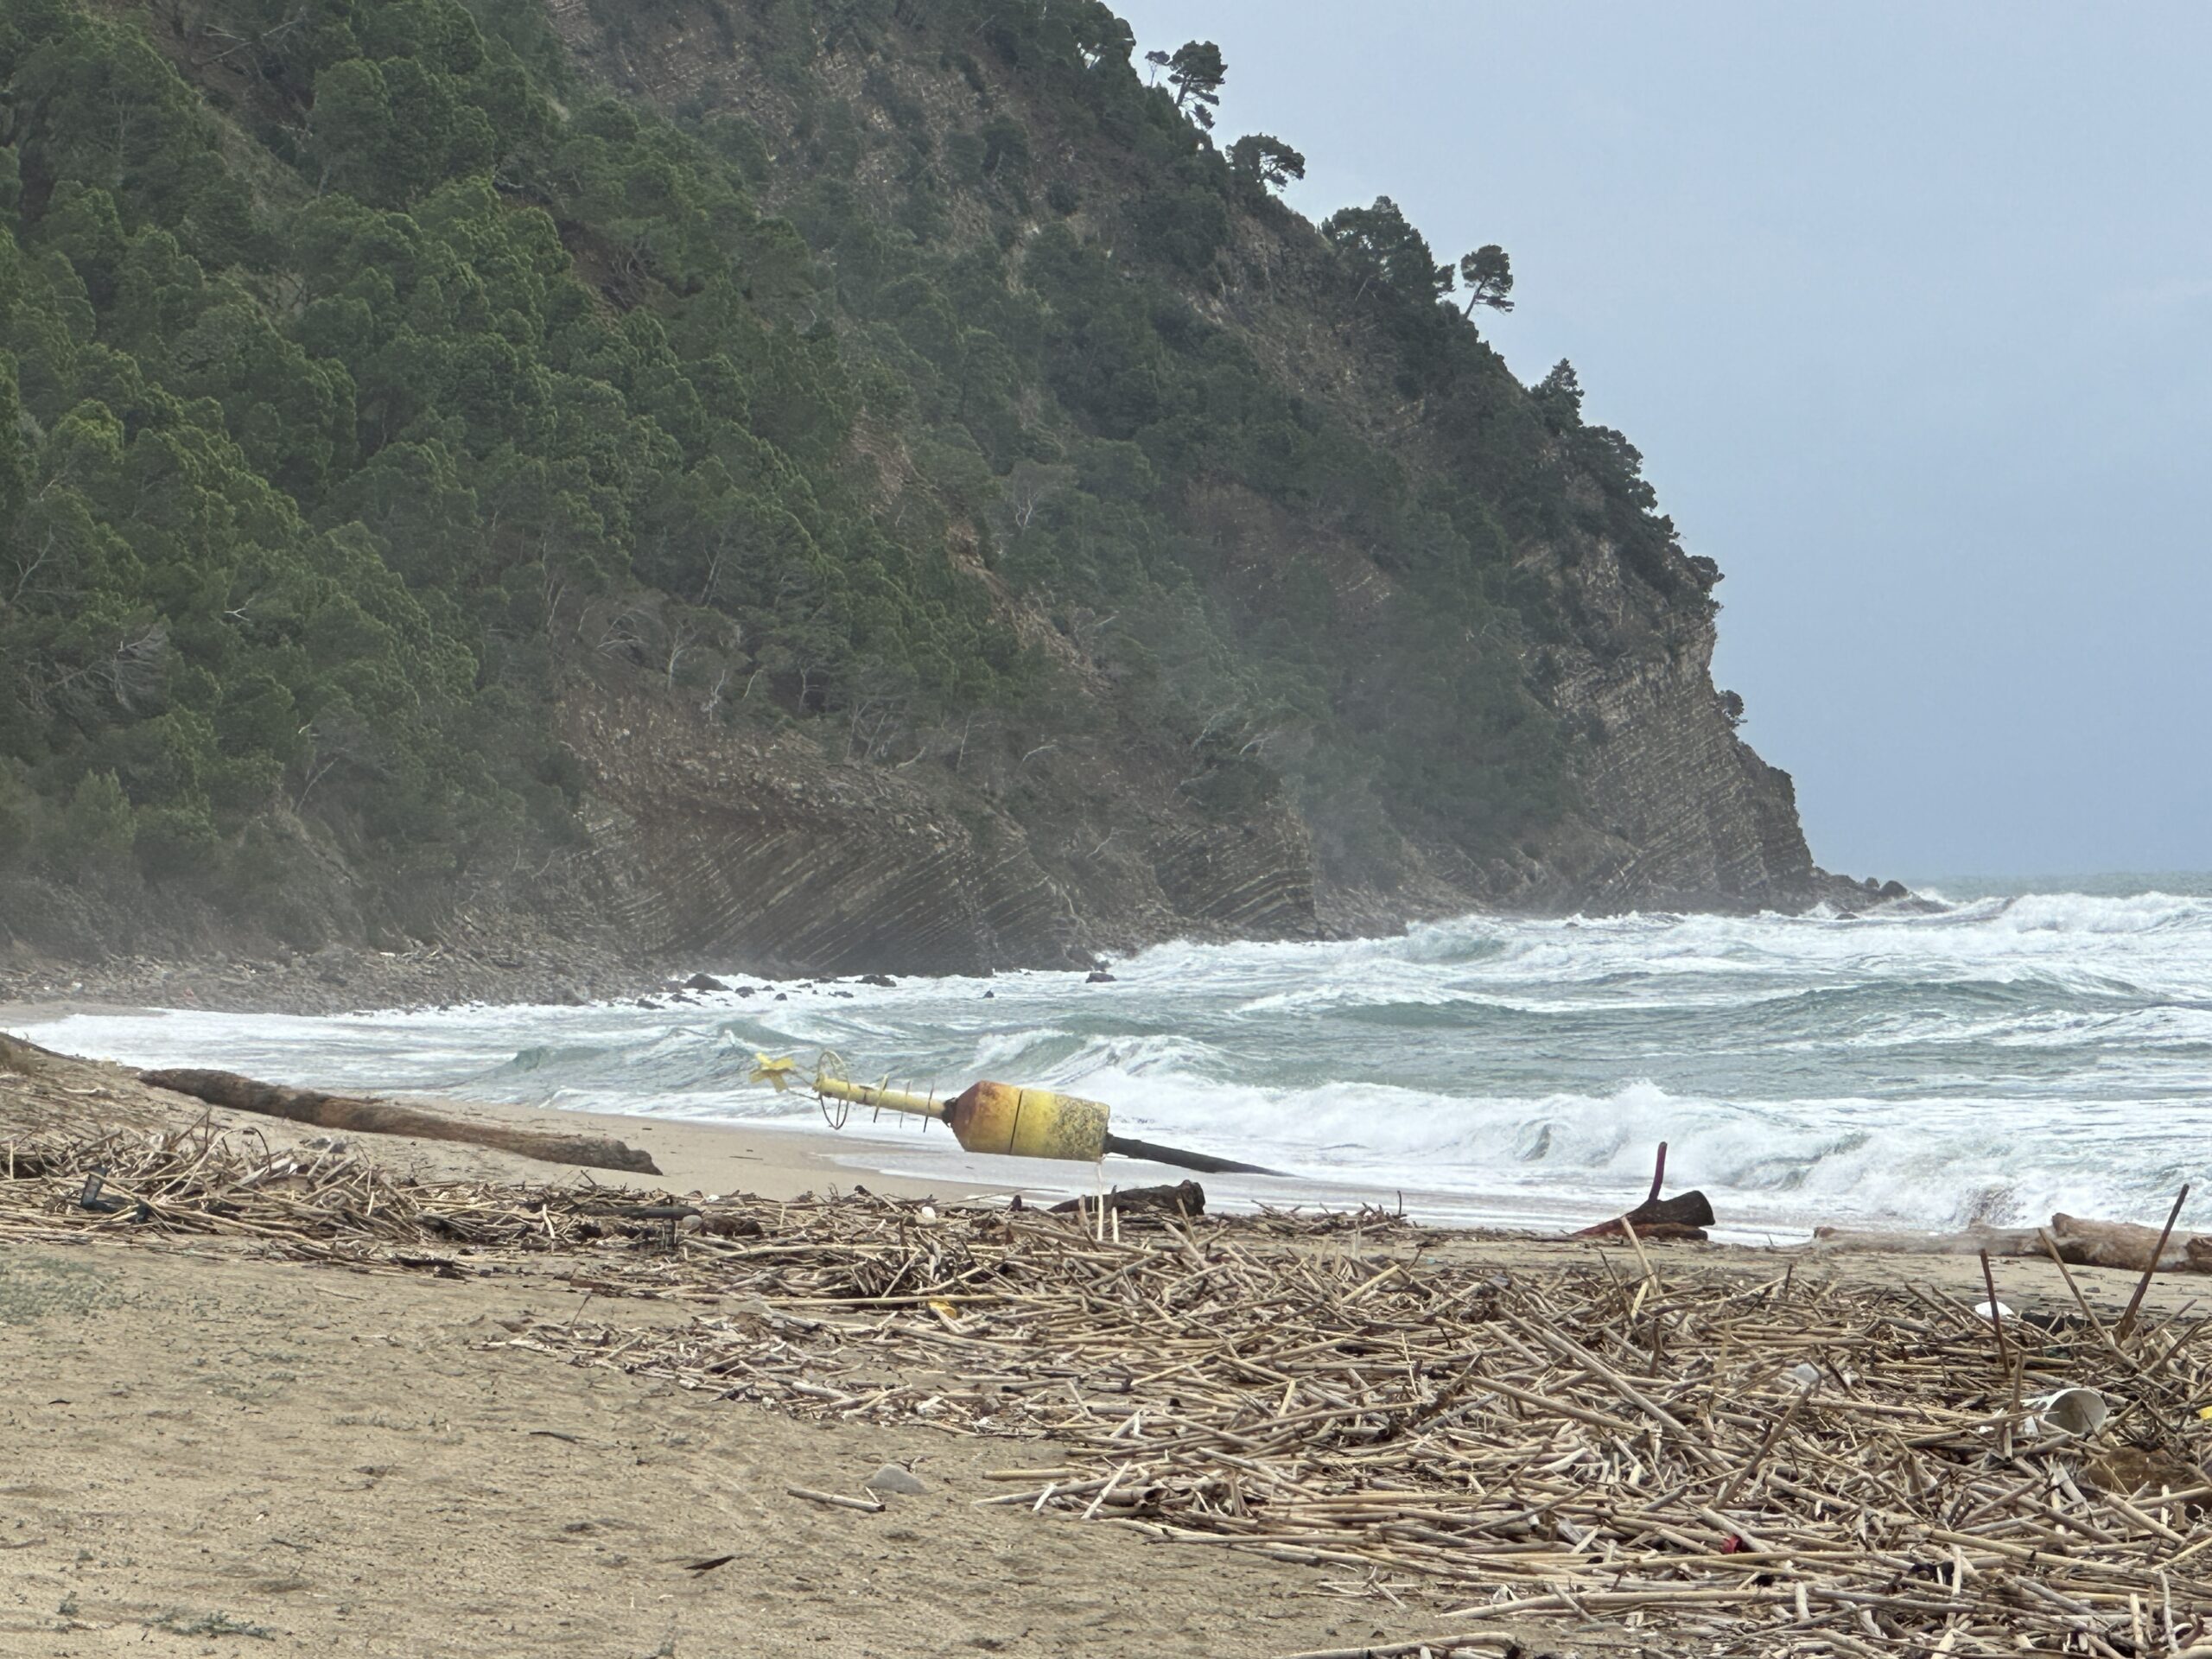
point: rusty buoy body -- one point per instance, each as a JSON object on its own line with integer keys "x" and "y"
{"x": 1006, "y": 1119}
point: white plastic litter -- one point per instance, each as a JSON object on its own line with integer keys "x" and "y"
{"x": 2077, "y": 1412}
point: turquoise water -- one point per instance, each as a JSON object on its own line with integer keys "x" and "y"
{"x": 2022, "y": 1048}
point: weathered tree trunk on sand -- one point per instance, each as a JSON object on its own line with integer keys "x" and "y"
{"x": 2079, "y": 1243}
{"x": 2124, "y": 1244}
{"x": 1998, "y": 1240}
{"x": 1188, "y": 1197}
{"x": 1685, "y": 1215}
{"x": 358, "y": 1116}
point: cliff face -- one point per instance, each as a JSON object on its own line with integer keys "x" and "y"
{"x": 707, "y": 848}
{"x": 1665, "y": 806}
{"x": 1679, "y": 812}
{"x": 831, "y": 487}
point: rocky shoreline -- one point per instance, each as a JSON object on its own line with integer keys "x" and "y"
{"x": 341, "y": 978}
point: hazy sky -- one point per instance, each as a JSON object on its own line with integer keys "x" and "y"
{"x": 1910, "y": 309}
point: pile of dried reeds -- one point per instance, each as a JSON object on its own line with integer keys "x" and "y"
{"x": 1776, "y": 1467}
{"x": 313, "y": 1202}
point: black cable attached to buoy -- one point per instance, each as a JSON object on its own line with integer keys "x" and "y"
{"x": 1204, "y": 1163}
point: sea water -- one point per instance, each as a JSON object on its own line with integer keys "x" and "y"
{"x": 1994, "y": 1056}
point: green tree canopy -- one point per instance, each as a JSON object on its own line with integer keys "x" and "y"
{"x": 1196, "y": 71}
{"x": 1384, "y": 247}
{"x": 1487, "y": 275}
{"x": 1259, "y": 160}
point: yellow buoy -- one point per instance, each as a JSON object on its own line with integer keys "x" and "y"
{"x": 993, "y": 1117}
{"x": 1001, "y": 1118}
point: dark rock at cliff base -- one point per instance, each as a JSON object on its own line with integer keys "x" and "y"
{"x": 877, "y": 979}
{"x": 1098, "y": 976}
{"x": 704, "y": 982}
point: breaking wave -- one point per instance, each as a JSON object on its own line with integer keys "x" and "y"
{"x": 1994, "y": 1055}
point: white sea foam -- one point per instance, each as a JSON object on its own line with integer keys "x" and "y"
{"x": 2000, "y": 1058}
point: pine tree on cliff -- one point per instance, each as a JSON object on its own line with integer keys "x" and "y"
{"x": 1195, "y": 69}
{"x": 1487, "y": 276}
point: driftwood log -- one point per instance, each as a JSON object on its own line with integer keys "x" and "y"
{"x": 358, "y": 1116}
{"x": 1998, "y": 1240}
{"x": 2077, "y": 1242}
{"x": 1188, "y": 1197}
{"x": 1685, "y": 1215}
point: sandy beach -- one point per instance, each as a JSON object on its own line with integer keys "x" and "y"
{"x": 696, "y": 1157}
{"x": 693, "y": 1156}
{"x": 213, "y": 1452}
{"x": 212, "y": 1449}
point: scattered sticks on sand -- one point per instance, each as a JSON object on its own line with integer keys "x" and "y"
{"x": 1785, "y": 1467}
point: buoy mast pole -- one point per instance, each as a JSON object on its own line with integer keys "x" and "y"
{"x": 882, "y": 1097}
{"x": 827, "y": 1083}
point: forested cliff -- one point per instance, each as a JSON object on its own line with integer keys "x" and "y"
{"x": 867, "y": 483}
